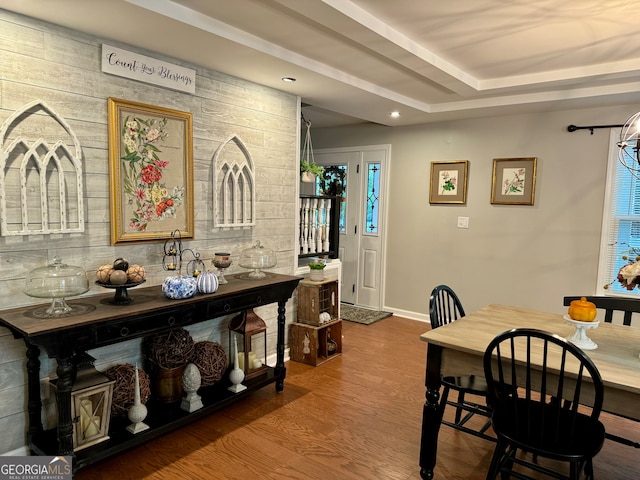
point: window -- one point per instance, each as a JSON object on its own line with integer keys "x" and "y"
{"x": 334, "y": 182}
{"x": 621, "y": 222}
{"x": 373, "y": 192}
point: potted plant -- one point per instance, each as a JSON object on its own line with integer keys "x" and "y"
{"x": 316, "y": 270}
{"x": 309, "y": 170}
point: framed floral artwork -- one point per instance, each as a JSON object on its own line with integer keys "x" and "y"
{"x": 514, "y": 181}
{"x": 150, "y": 172}
{"x": 448, "y": 182}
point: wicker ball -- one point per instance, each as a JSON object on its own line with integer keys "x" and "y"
{"x": 170, "y": 350}
{"x": 211, "y": 360}
{"x": 124, "y": 388}
{"x": 103, "y": 273}
{"x": 135, "y": 273}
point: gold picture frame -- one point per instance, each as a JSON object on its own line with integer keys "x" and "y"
{"x": 448, "y": 182}
{"x": 514, "y": 181}
{"x": 150, "y": 172}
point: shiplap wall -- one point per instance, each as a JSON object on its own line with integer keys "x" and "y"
{"x": 62, "y": 67}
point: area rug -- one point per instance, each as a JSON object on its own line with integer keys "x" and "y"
{"x": 361, "y": 315}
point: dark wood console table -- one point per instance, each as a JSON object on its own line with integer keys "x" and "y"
{"x": 105, "y": 324}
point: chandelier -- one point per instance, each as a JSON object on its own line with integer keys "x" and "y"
{"x": 629, "y": 144}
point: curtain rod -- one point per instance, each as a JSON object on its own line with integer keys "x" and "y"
{"x": 573, "y": 128}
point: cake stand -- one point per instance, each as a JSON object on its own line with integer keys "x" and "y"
{"x": 221, "y": 261}
{"x": 579, "y": 337}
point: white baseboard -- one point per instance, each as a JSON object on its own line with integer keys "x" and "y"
{"x": 421, "y": 317}
{"x": 18, "y": 452}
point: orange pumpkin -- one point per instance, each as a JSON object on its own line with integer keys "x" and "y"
{"x": 582, "y": 310}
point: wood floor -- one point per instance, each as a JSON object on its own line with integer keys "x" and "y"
{"x": 357, "y": 416}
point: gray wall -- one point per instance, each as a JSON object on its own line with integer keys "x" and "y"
{"x": 530, "y": 256}
{"x": 62, "y": 68}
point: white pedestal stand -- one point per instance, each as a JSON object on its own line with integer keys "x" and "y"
{"x": 579, "y": 337}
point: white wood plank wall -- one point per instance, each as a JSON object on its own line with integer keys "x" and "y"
{"x": 62, "y": 67}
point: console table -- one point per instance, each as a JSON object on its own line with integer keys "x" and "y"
{"x": 103, "y": 323}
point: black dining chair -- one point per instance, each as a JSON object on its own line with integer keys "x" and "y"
{"x": 541, "y": 411}
{"x": 628, "y": 306}
{"x": 444, "y": 308}
{"x": 610, "y": 305}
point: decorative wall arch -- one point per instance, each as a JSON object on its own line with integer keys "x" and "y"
{"x": 234, "y": 189}
{"x": 47, "y": 177}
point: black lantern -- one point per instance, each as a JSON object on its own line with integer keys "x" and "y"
{"x": 248, "y": 327}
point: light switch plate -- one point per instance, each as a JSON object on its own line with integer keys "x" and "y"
{"x": 463, "y": 222}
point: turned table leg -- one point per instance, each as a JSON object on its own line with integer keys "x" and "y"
{"x": 280, "y": 370}
{"x": 431, "y": 413}
{"x": 34, "y": 405}
{"x": 65, "y": 372}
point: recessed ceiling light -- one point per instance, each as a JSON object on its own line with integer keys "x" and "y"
{"x": 395, "y": 114}
{"x": 288, "y": 79}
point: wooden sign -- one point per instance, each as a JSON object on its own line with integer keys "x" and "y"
{"x": 146, "y": 69}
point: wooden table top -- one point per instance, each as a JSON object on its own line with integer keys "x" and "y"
{"x": 617, "y": 355}
{"x": 146, "y": 299}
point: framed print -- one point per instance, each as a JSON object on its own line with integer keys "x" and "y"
{"x": 150, "y": 172}
{"x": 514, "y": 181}
{"x": 448, "y": 182}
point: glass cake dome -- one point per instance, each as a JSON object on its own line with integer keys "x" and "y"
{"x": 56, "y": 281}
{"x": 257, "y": 258}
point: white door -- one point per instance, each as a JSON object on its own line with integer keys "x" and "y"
{"x": 361, "y": 249}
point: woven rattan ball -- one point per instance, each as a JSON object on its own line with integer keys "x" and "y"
{"x": 211, "y": 360}
{"x": 170, "y": 350}
{"x": 124, "y": 388}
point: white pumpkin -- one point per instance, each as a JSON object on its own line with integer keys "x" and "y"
{"x": 207, "y": 282}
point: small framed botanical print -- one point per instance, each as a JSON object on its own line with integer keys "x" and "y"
{"x": 514, "y": 181}
{"x": 448, "y": 182}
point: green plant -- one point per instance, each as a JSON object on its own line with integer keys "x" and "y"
{"x": 317, "y": 265}
{"x": 311, "y": 167}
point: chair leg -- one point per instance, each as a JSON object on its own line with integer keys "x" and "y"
{"x": 445, "y": 397}
{"x": 459, "y": 409}
{"x": 506, "y": 466}
{"x": 574, "y": 471}
{"x": 496, "y": 459}
{"x": 588, "y": 469}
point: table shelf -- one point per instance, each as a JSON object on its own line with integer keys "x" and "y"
{"x": 162, "y": 419}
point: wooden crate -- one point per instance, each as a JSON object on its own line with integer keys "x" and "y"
{"x": 308, "y": 343}
{"x": 315, "y": 298}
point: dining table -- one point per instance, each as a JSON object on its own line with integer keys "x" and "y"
{"x": 458, "y": 348}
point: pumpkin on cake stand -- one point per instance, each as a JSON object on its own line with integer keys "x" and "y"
{"x": 582, "y": 316}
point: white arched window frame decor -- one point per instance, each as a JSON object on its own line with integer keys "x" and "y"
{"x": 234, "y": 189}
{"x": 41, "y": 187}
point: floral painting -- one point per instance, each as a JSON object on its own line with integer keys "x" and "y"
{"x": 514, "y": 181}
{"x": 142, "y": 173}
{"x": 150, "y": 172}
{"x": 448, "y": 182}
